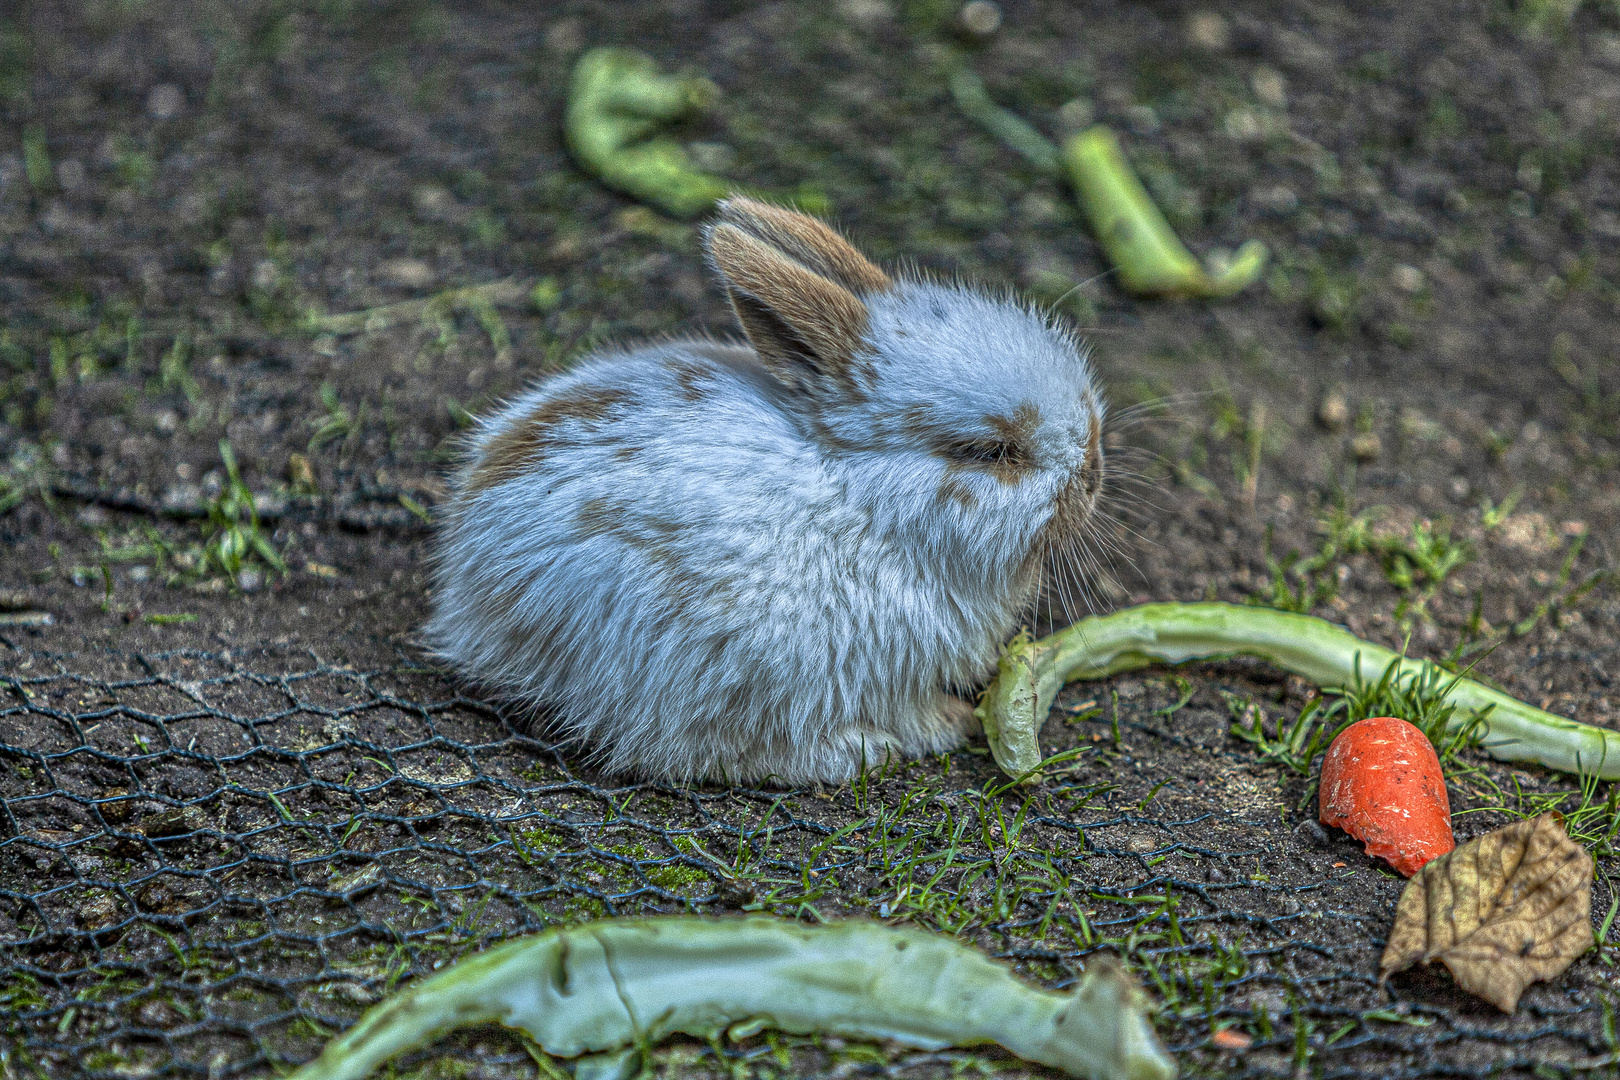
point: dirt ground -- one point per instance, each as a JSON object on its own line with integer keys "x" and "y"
{"x": 241, "y": 804}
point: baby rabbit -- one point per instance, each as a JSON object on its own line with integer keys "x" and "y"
{"x": 782, "y": 559}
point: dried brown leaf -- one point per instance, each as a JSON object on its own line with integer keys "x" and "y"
{"x": 1501, "y": 912}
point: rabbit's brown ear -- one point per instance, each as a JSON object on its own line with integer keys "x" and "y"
{"x": 805, "y": 240}
{"x": 806, "y": 328}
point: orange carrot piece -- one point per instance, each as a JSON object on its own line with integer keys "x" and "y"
{"x": 1382, "y": 784}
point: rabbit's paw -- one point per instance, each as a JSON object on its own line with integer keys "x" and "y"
{"x": 943, "y": 727}
{"x": 956, "y": 718}
{"x": 860, "y": 748}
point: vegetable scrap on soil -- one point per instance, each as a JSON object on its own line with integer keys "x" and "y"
{"x": 1502, "y": 911}
{"x": 1151, "y": 260}
{"x": 606, "y": 985}
{"x": 1030, "y": 674}
{"x": 617, "y": 100}
{"x": 504, "y": 293}
{"x": 1450, "y": 289}
{"x": 1382, "y": 784}
{"x": 1012, "y": 130}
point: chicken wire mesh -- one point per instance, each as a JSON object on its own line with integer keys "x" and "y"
{"x": 213, "y": 861}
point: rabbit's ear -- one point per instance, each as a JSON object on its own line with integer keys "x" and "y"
{"x": 806, "y": 241}
{"x": 806, "y": 328}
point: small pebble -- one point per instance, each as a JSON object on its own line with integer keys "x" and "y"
{"x": 1408, "y": 279}
{"x": 1076, "y": 114}
{"x": 1367, "y": 446}
{"x": 1412, "y": 424}
{"x": 1529, "y": 175}
{"x": 867, "y": 12}
{"x": 182, "y": 497}
{"x": 1208, "y": 31}
{"x": 164, "y": 101}
{"x": 434, "y": 202}
{"x": 1314, "y": 833}
{"x": 1279, "y": 199}
{"x": 980, "y": 18}
{"x": 1605, "y": 50}
{"x": 1269, "y": 88}
{"x": 249, "y": 580}
{"x": 1243, "y": 125}
{"x": 71, "y": 176}
{"x": 1142, "y": 120}
{"x": 1334, "y": 412}
{"x": 155, "y": 1014}
{"x": 715, "y": 157}
{"x": 220, "y": 278}
{"x": 410, "y": 273}
{"x": 566, "y": 35}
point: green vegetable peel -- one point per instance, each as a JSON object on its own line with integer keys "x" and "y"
{"x": 614, "y": 983}
{"x": 1016, "y": 703}
{"x": 1152, "y": 261}
{"x": 616, "y": 103}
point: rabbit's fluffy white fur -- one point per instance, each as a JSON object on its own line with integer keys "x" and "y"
{"x": 776, "y": 560}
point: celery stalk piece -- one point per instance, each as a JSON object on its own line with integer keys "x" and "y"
{"x": 616, "y": 101}
{"x": 1016, "y": 703}
{"x": 1151, "y": 260}
{"x": 605, "y": 985}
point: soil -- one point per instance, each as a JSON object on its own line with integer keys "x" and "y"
{"x": 187, "y": 190}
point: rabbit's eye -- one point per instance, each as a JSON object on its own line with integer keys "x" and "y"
{"x": 994, "y": 452}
